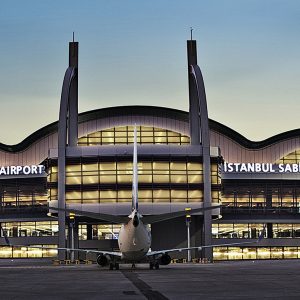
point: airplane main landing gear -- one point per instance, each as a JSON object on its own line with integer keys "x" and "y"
{"x": 133, "y": 266}
{"x": 114, "y": 265}
{"x": 153, "y": 265}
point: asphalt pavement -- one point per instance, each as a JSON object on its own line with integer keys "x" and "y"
{"x": 39, "y": 279}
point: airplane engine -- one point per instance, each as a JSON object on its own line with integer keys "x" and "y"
{"x": 102, "y": 260}
{"x": 165, "y": 259}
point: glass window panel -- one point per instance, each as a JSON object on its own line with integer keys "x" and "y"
{"x": 161, "y": 178}
{"x": 161, "y": 195}
{"x": 107, "y": 166}
{"x": 105, "y": 178}
{"x": 179, "y": 195}
{"x": 108, "y": 140}
{"x": 83, "y": 141}
{"x": 73, "y": 195}
{"x": 195, "y": 194}
{"x": 108, "y": 196}
{"x": 147, "y": 133}
{"x": 160, "y": 140}
{"x": 73, "y": 168}
{"x": 178, "y": 178}
{"x": 172, "y": 133}
{"x": 235, "y": 253}
{"x": 19, "y": 252}
{"x": 146, "y": 128}
{"x": 90, "y": 179}
{"x": 195, "y": 178}
{"x": 249, "y": 253}
{"x": 124, "y": 196}
{"x": 124, "y": 178}
{"x": 90, "y": 167}
{"x": 276, "y": 253}
{"x": 174, "y": 140}
{"x": 121, "y": 140}
{"x": 185, "y": 140}
{"x": 5, "y": 252}
{"x": 125, "y": 166}
{"x": 88, "y": 195}
{"x": 263, "y": 253}
{"x": 82, "y": 231}
{"x": 148, "y": 140}
{"x": 53, "y": 177}
{"x": 178, "y": 166}
{"x": 290, "y": 252}
{"x": 145, "y": 195}
{"x": 73, "y": 180}
{"x": 160, "y": 166}
{"x": 108, "y": 134}
{"x": 220, "y": 253}
{"x": 194, "y": 166}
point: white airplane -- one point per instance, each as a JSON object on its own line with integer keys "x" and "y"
{"x": 134, "y": 237}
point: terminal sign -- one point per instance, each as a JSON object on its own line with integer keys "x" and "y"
{"x": 260, "y": 168}
{"x": 22, "y": 170}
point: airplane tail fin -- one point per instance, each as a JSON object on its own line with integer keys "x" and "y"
{"x": 135, "y": 173}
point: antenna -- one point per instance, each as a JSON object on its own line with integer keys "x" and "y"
{"x": 191, "y": 28}
{"x": 73, "y": 36}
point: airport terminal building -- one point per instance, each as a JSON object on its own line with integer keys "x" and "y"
{"x": 185, "y": 160}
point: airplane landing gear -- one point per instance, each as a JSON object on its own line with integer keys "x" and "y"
{"x": 114, "y": 265}
{"x": 153, "y": 265}
{"x": 133, "y": 266}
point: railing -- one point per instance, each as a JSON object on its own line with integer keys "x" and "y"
{"x": 258, "y": 209}
{"x": 23, "y": 209}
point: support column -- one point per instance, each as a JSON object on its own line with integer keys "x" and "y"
{"x": 199, "y": 134}
{"x": 67, "y": 133}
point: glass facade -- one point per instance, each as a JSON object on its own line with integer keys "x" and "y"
{"x": 159, "y": 181}
{"x": 27, "y": 252}
{"x": 252, "y": 230}
{"x": 291, "y": 158}
{"x": 244, "y": 253}
{"x": 23, "y": 229}
{"x": 235, "y": 230}
{"x": 261, "y": 195}
{"x": 124, "y": 135}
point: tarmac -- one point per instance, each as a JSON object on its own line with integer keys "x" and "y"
{"x": 40, "y": 279}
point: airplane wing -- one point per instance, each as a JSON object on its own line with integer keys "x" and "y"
{"x": 99, "y": 216}
{"x": 166, "y": 251}
{"x": 172, "y": 215}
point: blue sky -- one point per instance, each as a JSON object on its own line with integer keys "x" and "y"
{"x": 134, "y": 52}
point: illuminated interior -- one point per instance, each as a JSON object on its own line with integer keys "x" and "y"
{"x": 24, "y": 229}
{"x": 27, "y": 252}
{"x": 244, "y": 253}
{"x": 124, "y": 135}
{"x": 291, "y": 158}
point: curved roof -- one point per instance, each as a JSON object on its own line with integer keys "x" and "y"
{"x": 150, "y": 111}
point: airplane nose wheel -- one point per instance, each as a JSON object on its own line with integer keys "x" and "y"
{"x": 133, "y": 266}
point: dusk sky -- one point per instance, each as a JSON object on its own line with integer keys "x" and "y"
{"x": 134, "y": 53}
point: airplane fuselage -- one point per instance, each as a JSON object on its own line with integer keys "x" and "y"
{"x": 134, "y": 241}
